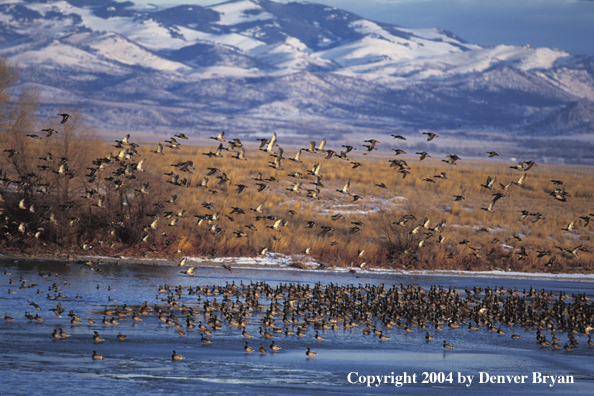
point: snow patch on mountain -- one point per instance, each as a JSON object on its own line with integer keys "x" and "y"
{"x": 57, "y": 55}
{"x": 114, "y": 47}
{"x": 235, "y": 13}
{"x": 292, "y": 65}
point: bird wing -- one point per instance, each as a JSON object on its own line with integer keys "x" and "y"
{"x": 317, "y": 168}
{"x": 272, "y": 142}
{"x": 521, "y": 180}
{"x": 322, "y": 144}
{"x": 345, "y": 189}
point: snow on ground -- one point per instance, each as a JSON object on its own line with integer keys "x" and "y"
{"x": 284, "y": 262}
{"x": 278, "y": 261}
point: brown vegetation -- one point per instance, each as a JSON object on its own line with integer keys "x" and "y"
{"x": 75, "y": 193}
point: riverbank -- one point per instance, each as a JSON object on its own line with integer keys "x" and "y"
{"x": 275, "y": 261}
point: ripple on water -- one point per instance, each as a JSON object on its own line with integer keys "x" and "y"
{"x": 34, "y": 364}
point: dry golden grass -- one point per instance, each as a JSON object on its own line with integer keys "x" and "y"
{"x": 125, "y": 229}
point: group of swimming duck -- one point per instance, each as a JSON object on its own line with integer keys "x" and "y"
{"x": 379, "y": 309}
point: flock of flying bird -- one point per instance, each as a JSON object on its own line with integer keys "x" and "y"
{"x": 127, "y": 171}
{"x": 377, "y": 309}
{"x": 270, "y": 146}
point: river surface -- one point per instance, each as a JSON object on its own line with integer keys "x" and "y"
{"x": 33, "y": 363}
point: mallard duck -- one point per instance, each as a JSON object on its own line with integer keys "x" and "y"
{"x": 345, "y": 189}
{"x": 97, "y": 338}
{"x": 489, "y": 183}
{"x": 265, "y": 334}
{"x": 430, "y": 135}
{"x": 97, "y": 356}
{"x": 205, "y": 340}
{"x": 246, "y": 334}
{"x": 447, "y": 346}
{"x": 310, "y": 353}
{"x": 248, "y": 348}
{"x": 219, "y": 137}
{"x": 567, "y": 348}
{"x": 275, "y": 347}
{"x": 65, "y": 117}
{"x": 175, "y": 356}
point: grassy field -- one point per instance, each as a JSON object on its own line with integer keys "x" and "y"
{"x": 85, "y": 199}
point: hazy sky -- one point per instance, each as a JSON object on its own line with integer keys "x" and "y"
{"x": 562, "y": 24}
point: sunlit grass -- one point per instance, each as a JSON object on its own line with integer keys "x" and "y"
{"x": 491, "y": 235}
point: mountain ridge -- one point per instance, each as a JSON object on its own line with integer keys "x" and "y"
{"x": 246, "y": 62}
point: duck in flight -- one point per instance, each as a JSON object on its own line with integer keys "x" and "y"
{"x": 65, "y": 117}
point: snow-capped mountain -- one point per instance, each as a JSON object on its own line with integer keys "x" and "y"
{"x": 253, "y": 66}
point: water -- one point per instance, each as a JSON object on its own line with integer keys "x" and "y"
{"x": 32, "y": 363}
